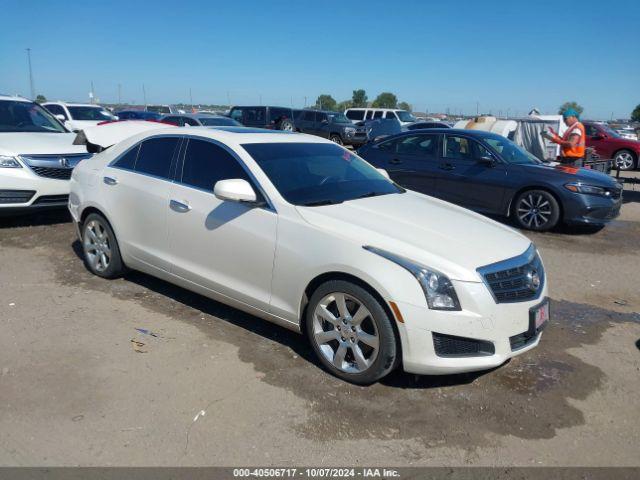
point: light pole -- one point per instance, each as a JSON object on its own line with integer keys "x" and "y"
{"x": 119, "y": 94}
{"x": 33, "y": 89}
{"x": 144, "y": 94}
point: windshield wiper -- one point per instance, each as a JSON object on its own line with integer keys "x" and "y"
{"x": 369, "y": 194}
{"x": 319, "y": 203}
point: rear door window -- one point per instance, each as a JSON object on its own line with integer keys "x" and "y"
{"x": 278, "y": 114}
{"x": 356, "y": 115}
{"x": 156, "y": 155}
{"x": 128, "y": 160}
{"x": 206, "y": 163}
{"x": 391, "y": 115}
{"x": 378, "y": 114}
{"x": 419, "y": 145}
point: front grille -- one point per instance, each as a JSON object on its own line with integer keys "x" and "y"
{"x": 57, "y": 167}
{"x": 452, "y": 346}
{"x": 52, "y": 200}
{"x": 16, "y": 196}
{"x": 517, "y": 279}
{"x": 56, "y": 173}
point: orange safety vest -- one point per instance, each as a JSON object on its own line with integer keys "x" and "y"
{"x": 578, "y": 150}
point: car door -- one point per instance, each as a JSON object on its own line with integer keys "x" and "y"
{"x": 306, "y": 122}
{"x": 139, "y": 183}
{"x": 597, "y": 139}
{"x": 224, "y": 246}
{"x": 322, "y": 125}
{"x": 411, "y": 161}
{"x": 468, "y": 178}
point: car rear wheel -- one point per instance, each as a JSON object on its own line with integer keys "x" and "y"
{"x": 625, "y": 160}
{"x": 286, "y": 125}
{"x": 100, "y": 248}
{"x": 536, "y": 210}
{"x": 351, "y": 333}
{"x": 336, "y": 139}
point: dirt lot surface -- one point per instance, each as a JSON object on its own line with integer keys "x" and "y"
{"x": 215, "y": 386}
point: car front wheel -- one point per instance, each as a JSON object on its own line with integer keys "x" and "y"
{"x": 100, "y": 248}
{"x": 350, "y": 332}
{"x": 625, "y": 160}
{"x": 336, "y": 139}
{"x": 536, "y": 210}
{"x": 287, "y": 126}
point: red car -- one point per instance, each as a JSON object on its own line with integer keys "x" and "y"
{"x": 608, "y": 144}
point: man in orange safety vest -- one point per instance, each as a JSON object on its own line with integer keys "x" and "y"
{"x": 572, "y": 143}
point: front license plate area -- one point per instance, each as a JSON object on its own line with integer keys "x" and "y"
{"x": 539, "y": 317}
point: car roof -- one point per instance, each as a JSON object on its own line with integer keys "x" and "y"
{"x": 243, "y": 135}
{"x": 319, "y": 111}
{"x": 260, "y": 106}
{"x": 69, "y": 104}
{"x": 195, "y": 115}
{"x": 15, "y": 98}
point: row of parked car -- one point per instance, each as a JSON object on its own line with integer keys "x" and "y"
{"x": 371, "y": 260}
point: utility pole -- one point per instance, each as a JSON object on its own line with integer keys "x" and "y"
{"x": 92, "y": 95}
{"x": 228, "y": 99}
{"x": 191, "y": 98}
{"x": 31, "y": 85}
{"x": 477, "y": 109}
{"x": 119, "y": 94}
{"x": 305, "y": 102}
{"x": 260, "y": 99}
{"x": 144, "y": 94}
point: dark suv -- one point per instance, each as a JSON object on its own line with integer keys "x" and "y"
{"x": 332, "y": 125}
{"x": 274, "y": 118}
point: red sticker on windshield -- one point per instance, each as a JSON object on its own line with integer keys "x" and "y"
{"x": 347, "y": 156}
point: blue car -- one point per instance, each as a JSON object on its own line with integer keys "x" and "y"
{"x": 487, "y": 173}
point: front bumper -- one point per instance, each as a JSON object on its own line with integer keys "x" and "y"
{"x": 356, "y": 140}
{"x": 591, "y": 209}
{"x": 22, "y": 191}
{"x": 505, "y": 327}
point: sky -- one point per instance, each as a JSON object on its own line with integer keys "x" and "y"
{"x": 500, "y": 57}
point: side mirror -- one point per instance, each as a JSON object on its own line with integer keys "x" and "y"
{"x": 234, "y": 190}
{"x": 598, "y": 136}
{"x": 384, "y": 173}
{"x": 324, "y": 121}
{"x": 487, "y": 161}
{"x": 61, "y": 117}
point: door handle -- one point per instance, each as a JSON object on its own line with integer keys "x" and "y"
{"x": 446, "y": 166}
{"x": 180, "y": 207}
{"x": 395, "y": 161}
{"x": 110, "y": 180}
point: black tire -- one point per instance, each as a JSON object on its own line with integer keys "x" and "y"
{"x": 536, "y": 210}
{"x": 376, "y": 325}
{"x": 98, "y": 239}
{"x": 287, "y": 125}
{"x": 334, "y": 137}
{"x": 628, "y": 160}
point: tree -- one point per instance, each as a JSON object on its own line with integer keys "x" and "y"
{"x": 635, "y": 115}
{"x": 385, "y": 100}
{"x": 359, "y": 98}
{"x": 326, "y": 102}
{"x": 567, "y": 105}
{"x": 342, "y": 106}
{"x": 41, "y": 99}
{"x": 404, "y": 106}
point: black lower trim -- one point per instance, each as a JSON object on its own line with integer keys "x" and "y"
{"x": 452, "y": 346}
{"x": 16, "y": 196}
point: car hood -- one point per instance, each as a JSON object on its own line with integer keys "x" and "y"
{"x": 35, "y": 143}
{"x": 426, "y": 230}
{"x": 571, "y": 174}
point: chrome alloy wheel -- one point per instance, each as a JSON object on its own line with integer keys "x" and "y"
{"x": 345, "y": 332}
{"x": 534, "y": 210}
{"x": 97, "y": 245}
{"x": 624, "y": 160}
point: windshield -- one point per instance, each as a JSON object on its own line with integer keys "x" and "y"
{"x": 315, "y": 174}
{"x": 218, "y": 121}
{"x": 97, "y": 114}
{"x": 610, "y": 131}
{"x": 158, "y": 109}
{"x": 405, "y": 116}
{"x": 338, "y": 118}
{"x": 27, "y": 117}
{"x": 509, "y": 151}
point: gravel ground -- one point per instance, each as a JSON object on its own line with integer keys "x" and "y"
{"x": 215, "y": 386}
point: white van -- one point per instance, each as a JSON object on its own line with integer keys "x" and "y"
{"x": 360, "y": 114}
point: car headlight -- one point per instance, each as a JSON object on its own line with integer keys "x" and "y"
{"x": 349, "y": 131}
{"x": 9, "y": 162}
{"x": 588, "y": 189}
{"x": 437, "y": 287}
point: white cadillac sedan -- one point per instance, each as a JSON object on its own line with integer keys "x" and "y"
{"x": 302, "y": 232}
